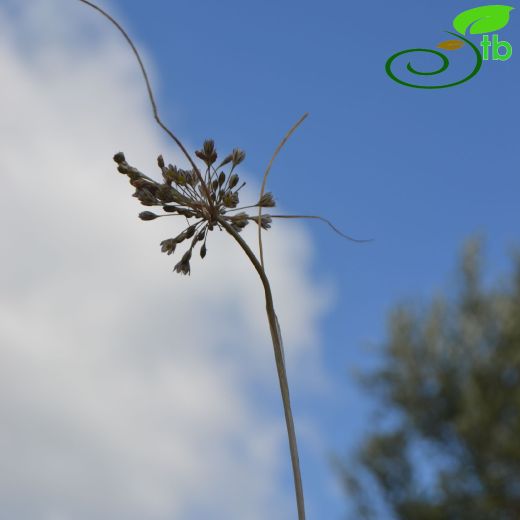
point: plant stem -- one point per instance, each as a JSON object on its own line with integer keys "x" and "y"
{"x": 264, "y": 182}
{"x": 280, "y": 366}
{"x": 151, "y": 96}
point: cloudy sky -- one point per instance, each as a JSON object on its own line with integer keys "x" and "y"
{"x": 128, "y": 391}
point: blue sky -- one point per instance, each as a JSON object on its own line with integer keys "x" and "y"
{"x": 419, "y": 171}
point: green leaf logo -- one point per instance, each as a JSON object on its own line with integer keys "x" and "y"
{"x": 481, "y": 20}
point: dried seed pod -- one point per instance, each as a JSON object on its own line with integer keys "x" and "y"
{"x": 221, "y": 178}
{"x": 168, "y": 246}
{"x": 119, "y": 157}
{"x": 265, "y": 221}
{"x": 185, "y": 212}
{"x": 184, "y": 235}
{"x": 267, "y": 200}
{"x": 233, "y": 181}
{"x": 239, "y": 221}
{"x": 230, "y": 199}
{"x": 139, "y": 183}
{"x": 179, "y": 198}
{"x": 183, "y": 266}
{"x": 208, "y": 153}
{"x": 203, "y": 250}
{"x": 160, "y": 161}
{"x": 237, "y": 156}
{"x": 147, "y": 215}
{"x": 190, "y": 231}
{"x": 226, "y": 160}
{"x": 179, "y": 177}
{"x": 145, "y": 197}
{"x": 192, "y": 178}
{"x": 169, "y": 173}
{"x": 169, "y": 209}
{"x": 166, "y": 193}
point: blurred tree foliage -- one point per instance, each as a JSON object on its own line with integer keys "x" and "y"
{"x": 450, "y": 389}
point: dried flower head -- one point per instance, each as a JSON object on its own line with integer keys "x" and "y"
{"x": 205, "y": 199}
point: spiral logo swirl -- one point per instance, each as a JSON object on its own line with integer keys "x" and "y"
{"x": 445, "y": 64}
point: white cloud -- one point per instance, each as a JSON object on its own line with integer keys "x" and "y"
{"x": 126, "y": 391}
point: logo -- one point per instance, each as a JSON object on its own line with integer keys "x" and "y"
{"x": 480, "y": 20}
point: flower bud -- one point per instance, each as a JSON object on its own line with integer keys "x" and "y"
{"x": 147, "y": 215}
{"x": 190, "y": 231}
{"x": 169, "y": 209}
{"x": 233, "y": 181}
{"x": 119, "y": 157}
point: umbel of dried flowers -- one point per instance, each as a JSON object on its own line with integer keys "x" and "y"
{"x": 207, "y": 201}
{"x": 203, "y": 203}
